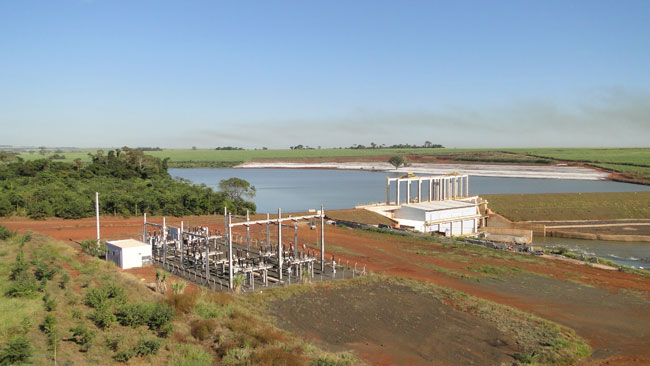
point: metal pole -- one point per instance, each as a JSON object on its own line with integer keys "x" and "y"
{"x": 228, "y": 222}
{"x": 268, "y": 232}
{"x": 164, "y": 242}
{"x": 144, "y": 229}
{"x": 225, "y": 224}
{"x": 181, "y": 243}
{"x": 207, "y": 258}
{"x": 248, "y": 233}
{"x": 97, "y": 214}
{"x": 295, "y": 240}
{"x": 322, "y": 239}
{"x": 279, "y": 245}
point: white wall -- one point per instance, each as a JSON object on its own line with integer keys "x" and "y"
{"x": 130, "y": 257}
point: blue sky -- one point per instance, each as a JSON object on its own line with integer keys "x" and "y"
{"x": 328, "y": 73}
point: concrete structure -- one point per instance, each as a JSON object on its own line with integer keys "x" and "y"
{"x": 438, "y": 188}
{"x": 128, "y": 253}
{"x": 449, "y": 217}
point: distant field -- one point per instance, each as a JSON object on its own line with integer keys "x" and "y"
{"x": 632, "y": 163}
{"x": 571, "y": 206}
{"x": 639, "y": 156}
{"x": 204, "y": 155}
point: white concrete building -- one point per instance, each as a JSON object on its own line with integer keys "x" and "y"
{"x": 448, "y": 217}
{"x": 128, "y": 253}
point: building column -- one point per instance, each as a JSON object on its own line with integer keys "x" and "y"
{"x": 419, "y": 190}
{"x": 467, "y": 186}
{"x": 430, "y": 189}
{"x": 408, "y": 191}
{"x": 397, "y": 197}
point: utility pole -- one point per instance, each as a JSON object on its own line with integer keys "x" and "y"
{"x": 97, "y": 215}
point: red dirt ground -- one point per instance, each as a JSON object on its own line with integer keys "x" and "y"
{"x": 618, "y": 332}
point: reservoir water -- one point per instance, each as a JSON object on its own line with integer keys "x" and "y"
{"x": 296, "y": 190}
{"x": 635, "y": 254}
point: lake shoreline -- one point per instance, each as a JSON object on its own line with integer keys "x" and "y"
{"x": 484, "y": 170}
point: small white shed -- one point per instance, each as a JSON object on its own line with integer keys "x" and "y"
{"x": 128, "y": 253}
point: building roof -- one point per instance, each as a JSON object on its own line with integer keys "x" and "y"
{"x": 127, "y": 243}
{"x": 439, "y": 205}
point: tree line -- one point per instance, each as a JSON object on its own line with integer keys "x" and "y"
{"x": 129, "y": 182}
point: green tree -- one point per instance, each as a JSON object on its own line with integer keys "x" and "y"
{"x": 396, "y": 161}
{"x": 236, "y": 188}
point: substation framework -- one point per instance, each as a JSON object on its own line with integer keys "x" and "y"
{"x": 215, "y": 259}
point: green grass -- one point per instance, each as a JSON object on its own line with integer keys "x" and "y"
{"x": 639, "y": 156}
{"x": 571, "y": 206}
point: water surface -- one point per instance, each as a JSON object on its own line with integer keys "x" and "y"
{"x": 635, "y": 254}
{"x": 301, "y": 189}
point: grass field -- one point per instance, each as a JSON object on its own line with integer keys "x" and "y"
{"x": 634, "y": 163}
{"x": 571, "y": 206}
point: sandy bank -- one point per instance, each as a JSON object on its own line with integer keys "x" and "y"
{"x": 485, "y": 170}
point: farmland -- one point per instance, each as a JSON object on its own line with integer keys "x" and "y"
{"x": 632, "y": 164}
{"x": 571, "y": 206}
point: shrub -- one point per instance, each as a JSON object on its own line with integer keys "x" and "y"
{"x": 202, "y": 329}
{"x": 166, "y": 330}
{"x": 63, "y": 282}
{"x": 190, "y": 355}
{"x": 147, "y": 347}
{"x": 48, "y": 302}
{"x": 6, "y": 233}
{"x": 178, "y": 287}
{"x": 90, "y": 247}
{"x": 102, "y": 316}
{"x": 96, "y": 297}
{"x": 133, "y": 315}
{"x": 49, "y": 322}
{"x": 113, "y": 341}
{"x": 82, "y": 337}
{"x": 124, "y": 356}
{"x": 24, "y": 284}
{"x": 160, "y": 314}
{"x": 19, "y": 266}
{"x": 154, "y": 315}
{"x": 17, "y": 351}
{"x": 183, "y": 303}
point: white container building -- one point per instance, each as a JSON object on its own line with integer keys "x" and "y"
{"x": 128, "y": 253}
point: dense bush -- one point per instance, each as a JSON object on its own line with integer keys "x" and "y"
{"x": 4, "y": 232}
{"x": 154, "y": 315}
{"x": 103, "y": 316}
{"x": 129, "y": 181}
{"x": 147, "y": 347}
{"x": 16, "y": 351}
{"x": 82, "y": 337}
{"x": 23, "y": 282}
